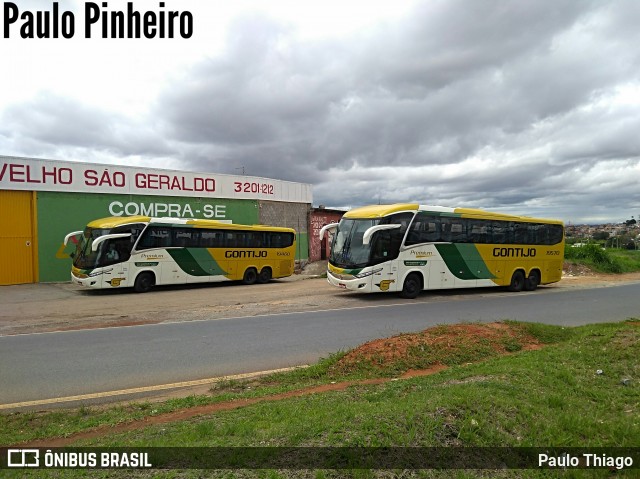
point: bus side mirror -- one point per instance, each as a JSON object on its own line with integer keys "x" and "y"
{"x": 70, "y": 235}
{"x": 100, "y": 239}
{"x": 329, "y": 227}
{"x": 369, "y": 233}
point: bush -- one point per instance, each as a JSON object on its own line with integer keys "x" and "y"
{"x": 594, "y": 255}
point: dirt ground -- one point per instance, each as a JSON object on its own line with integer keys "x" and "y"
{"x": 392, "y": 349}
{"x": 46, "y": 307}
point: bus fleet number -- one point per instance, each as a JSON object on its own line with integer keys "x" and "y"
{"x": 248, "y": 187}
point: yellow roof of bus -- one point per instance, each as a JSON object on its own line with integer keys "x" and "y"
{"x": 490, "y": 215}
{"x": 379, "y": 211}
{"x": 115, "y": 221}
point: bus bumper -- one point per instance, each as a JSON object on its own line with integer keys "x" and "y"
{"x": 362, "y": 285}
{"x": 88, "y": 282}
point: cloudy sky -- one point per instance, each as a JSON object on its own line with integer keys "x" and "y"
{"x": 527, "y": 107}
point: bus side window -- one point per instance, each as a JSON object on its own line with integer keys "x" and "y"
{"x": 555, "y": 234}
{"x": 477, "y": 231}
{"x": 415, "y": 233}
{"x": 459, "y": 231}
{"x": 211, "y": 239}
{"x": 499, "y": 232}
{"x": 155, "y": 237}
{"x": 521, "y": 232}
{"x": 121, "y": 249}
{"x": 230, "y": 239}
{"x": 186, "y": 237}
{"x": 445, "y": 230}
{"x": 423, "y": 231}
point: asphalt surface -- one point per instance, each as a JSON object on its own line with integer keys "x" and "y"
{"x": 61, "y": 364}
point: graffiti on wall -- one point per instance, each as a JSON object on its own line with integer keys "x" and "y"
{"x": 319, "y": 250}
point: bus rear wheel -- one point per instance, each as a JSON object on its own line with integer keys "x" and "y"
{"x": 517, "y": 282}
{"x": 144, "y": 282}
{"x": 411, "y": 287}
{"x": 264, "y": 276}
{"x": 250, "y": 276}
{"x": 532, "y": 281}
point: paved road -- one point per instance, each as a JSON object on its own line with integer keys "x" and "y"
{"x": 51, "y": 365}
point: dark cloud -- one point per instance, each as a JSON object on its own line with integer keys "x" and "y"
{"x": 484, "y": 104}
{"x": 434, "y": 89}
{"x": 50, "y": 119}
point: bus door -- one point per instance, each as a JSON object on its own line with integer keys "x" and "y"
{"x": 384, "y": 260}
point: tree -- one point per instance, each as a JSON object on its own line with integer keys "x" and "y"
{"x": 600, "y": 235}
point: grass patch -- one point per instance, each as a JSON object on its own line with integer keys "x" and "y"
{"x": 604, "y": 260}
{"x": 629, "y": 260}
{"x": 595, "y": 257}
{"x": 551, "y": 396}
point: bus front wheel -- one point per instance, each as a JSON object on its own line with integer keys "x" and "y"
{"x": 250, "y": 276}
{"x": 517, "y": 281}
{"x": 144, "y": 282}
{"x": 411, "y": 287}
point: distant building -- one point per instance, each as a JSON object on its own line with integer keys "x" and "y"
{"x": 319, "y": 217}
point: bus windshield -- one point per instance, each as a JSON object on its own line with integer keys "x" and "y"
{"x": 111, "y": 251}
{"x": 347, "y": 250}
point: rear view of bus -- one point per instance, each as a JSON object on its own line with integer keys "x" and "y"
{"x": 409, "y": 248}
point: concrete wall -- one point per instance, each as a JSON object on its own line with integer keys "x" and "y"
{"x": 289, "y": 215}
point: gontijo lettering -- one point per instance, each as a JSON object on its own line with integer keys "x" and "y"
{"x": 515, "y": 252}
{"x": 245, "y": 254}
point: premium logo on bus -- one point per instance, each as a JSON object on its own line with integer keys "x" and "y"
{"x": 245, "y": 254}
{"x": 421, "y": 254}
{"x": 151, "y": 257}
{"x": 115, "y": 282}
{"x": 515, "y": 252}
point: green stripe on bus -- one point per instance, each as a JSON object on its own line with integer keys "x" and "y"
{"x": 464, "y": 261}
{"x": 196, "y": 262}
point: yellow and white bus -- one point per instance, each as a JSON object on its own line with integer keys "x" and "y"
{"x": 409, "y": 248}
{"x": 141, "y": 252}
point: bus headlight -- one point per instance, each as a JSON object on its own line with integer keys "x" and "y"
{"x": 368, "y": 273}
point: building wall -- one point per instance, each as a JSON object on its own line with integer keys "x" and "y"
{"x": 44, "y": 200}
{"x": 290, "y": 215}
{"x": 319, "y": 250}
{"x": 62, "y": 213}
